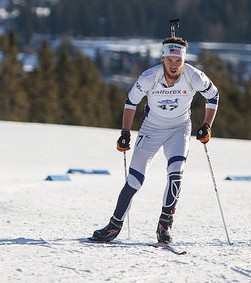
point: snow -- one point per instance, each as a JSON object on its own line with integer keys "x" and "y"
{"x": 42, "y": 221}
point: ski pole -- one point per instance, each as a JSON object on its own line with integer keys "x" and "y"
{"x": 128, "y": 217}
{"x": 216, "y": 191}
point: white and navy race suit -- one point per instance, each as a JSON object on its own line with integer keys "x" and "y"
{"x": 166, "y": 123}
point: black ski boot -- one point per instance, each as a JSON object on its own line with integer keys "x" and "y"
{"x": 164, "y": 228}
{"x": 109, "y": 232}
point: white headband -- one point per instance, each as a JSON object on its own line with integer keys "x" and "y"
{"x": 174, "y": 49}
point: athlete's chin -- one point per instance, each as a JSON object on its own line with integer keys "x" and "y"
{"x": 174, "y": 76}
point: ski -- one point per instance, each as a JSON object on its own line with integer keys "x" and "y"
{"x": 169, "y": 248}
{"x": 163, "y": 246}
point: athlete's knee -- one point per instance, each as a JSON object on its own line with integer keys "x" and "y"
{"x": 176, "y": 164}
{"x": 135, "y": 179}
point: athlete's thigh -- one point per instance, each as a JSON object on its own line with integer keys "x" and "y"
{"x": 146, "y": 146}
{"x": 178, "y": 143}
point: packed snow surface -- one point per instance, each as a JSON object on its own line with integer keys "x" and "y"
{"x": 43, "y": 222}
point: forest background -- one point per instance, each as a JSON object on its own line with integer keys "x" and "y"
{"x": 67, "y": 88}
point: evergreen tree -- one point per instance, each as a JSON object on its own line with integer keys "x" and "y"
{"x": 92, "y": 93}
{"x": 42, "y": 89}
{"x": 14, "y": 103}
{"x": 116, "y": 99}
{"x": 68, "y": 84}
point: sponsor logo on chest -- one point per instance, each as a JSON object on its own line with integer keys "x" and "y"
{"x": 170, "y": 92}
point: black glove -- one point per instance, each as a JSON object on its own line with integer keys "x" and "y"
{"x": 123, "y": 142}
{"x": 204, "y": 133}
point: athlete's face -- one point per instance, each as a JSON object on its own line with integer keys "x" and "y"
{"x": 173, "y": 66}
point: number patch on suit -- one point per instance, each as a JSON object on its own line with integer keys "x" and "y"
{"x": 139, "y": 139}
